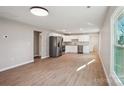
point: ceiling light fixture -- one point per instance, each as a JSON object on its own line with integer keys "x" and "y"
{"x": 90, "y": 24}
{"x": 63, "y": 30}
{"x": 69, "y": 32}
{"x": 81, "y": 29}
{"x": 39, "y": 11}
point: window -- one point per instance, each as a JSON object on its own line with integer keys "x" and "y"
{"x": 119, "y": 46}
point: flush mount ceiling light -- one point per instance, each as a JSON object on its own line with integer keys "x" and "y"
{"x": 39, "y": 11}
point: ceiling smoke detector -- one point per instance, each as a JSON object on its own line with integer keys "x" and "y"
{"x": 88, "y": 6}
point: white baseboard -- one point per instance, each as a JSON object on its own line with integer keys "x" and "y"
{"x": 36, "y": 55}
{"x": 107, "y": 76}
{"x": 44, "y": 57}
{"x": 17, "y": 65}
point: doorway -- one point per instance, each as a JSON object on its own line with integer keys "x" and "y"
{"x": 37, "y": 45}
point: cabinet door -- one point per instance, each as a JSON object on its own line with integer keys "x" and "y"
{"x": 71, "y": 49}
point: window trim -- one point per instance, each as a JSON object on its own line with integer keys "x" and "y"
{"x": 114, "y": 16}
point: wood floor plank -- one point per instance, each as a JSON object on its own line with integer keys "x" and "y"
{"x": 67, "y": 70}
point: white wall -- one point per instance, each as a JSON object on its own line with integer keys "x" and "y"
{"x": 45, "y": 44}
{"x": 105, "y": 45}
{"x": 55, "y": 34}
{"x": 94, "y": 42}
{"x": 17, "y": 48}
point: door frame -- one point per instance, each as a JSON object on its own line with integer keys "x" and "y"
{"x": 40, "y": 43}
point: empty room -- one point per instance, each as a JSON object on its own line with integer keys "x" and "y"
{"x": 61, "y": 45}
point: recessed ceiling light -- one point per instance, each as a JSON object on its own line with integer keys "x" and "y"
{"x": 63, "y": 30}
{"x": 39, "y": 11}
{"x": 69, "y": 32}
{"x": 81, "y": 29}
{"x": 90, "y": 24}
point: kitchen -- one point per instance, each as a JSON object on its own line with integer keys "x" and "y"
{"x": 79, "y": 44}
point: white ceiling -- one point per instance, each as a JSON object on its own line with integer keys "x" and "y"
{"x": 66, "y": 19}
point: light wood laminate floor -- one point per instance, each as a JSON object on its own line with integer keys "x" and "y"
{"x": 67, "y": 70}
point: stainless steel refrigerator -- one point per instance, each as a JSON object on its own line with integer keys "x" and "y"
{"x": 55, "y": 46}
